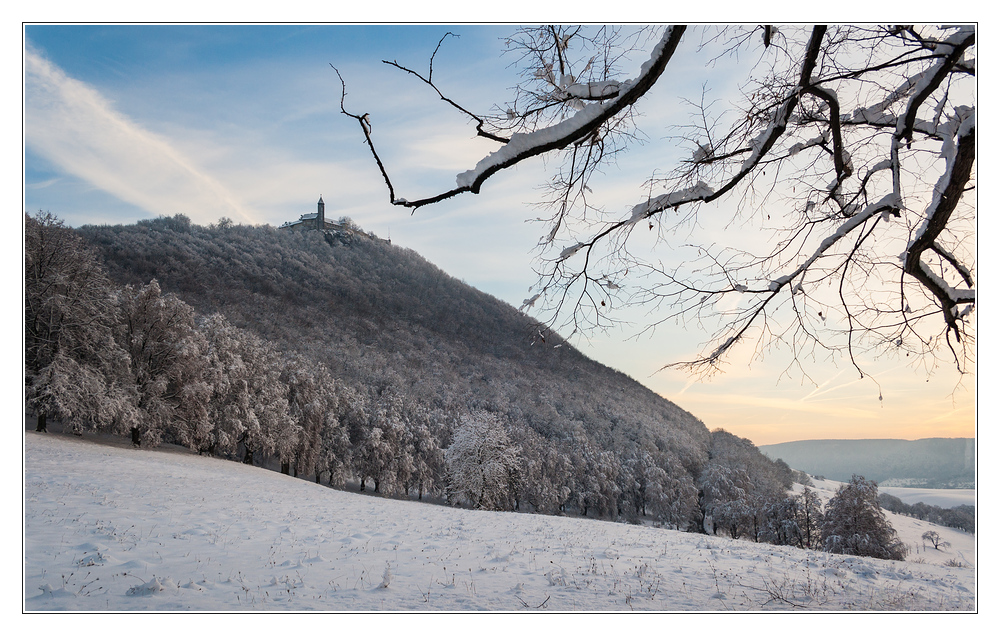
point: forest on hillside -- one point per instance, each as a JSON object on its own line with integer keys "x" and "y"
{"x": 354, "y": 362}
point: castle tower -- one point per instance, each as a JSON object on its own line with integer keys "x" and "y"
{"x": 321, "y": 214}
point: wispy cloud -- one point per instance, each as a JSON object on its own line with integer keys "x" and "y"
{"x": 43, "y": 184}
{"x": 777, "y": 404}
{"x": 76, "y": 128}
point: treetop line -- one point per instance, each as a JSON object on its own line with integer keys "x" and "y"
{"x": 853, "y": 145}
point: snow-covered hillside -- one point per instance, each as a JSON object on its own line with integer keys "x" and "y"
{"x": 111, "y": 528}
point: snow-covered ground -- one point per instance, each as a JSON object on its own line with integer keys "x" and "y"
{"x": 109, "y": 528}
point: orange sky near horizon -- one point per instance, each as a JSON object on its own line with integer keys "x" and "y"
{"x": 759, "y": 401}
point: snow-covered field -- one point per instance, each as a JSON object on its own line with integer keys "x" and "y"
{"x": 109, "y": 528}
{"x": 933, "y": 497}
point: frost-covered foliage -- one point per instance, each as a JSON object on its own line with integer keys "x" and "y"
{"x": 825, "y": 205}
{"x": 656, "y": 486}
{"x": 167, "y": 366}
{"x": 315, "y": 402}
{"x": 71, "y": 359}
{"x": 855, "y": 524}
{"x": 248, "y": 408}
{"x": 743, "y": 493}
{"x": 383, "y": 453}
{"x": 482, "y": 463}
{"x": 809, "y": 519}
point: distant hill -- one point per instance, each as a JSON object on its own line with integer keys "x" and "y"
{"x": 926, "y": 463}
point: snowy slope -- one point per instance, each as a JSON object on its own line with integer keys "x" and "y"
{"x": 112, "y": 528}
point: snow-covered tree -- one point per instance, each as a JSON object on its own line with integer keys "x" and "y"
{"x": 482, "y": 462}
{"x": 855, "y": 524}
{"x": 724, "y": 494}
{"x": 546, "y": 471}
{"x": 336, "y": 449}
{"x": 383, "y": 453}
{"x": 313, "y": 406}
{"x": 166, "y": 366}
{"x": 781, "y": 523}
{"x": 71, "y": 360}
{"x": 428, "y": 464}
{"x": 851, "y": 149}
{"x": 655, "y": 485}
{"x": 249, "y": 406}
{"x": 596, "y": 488}
{"x": 740, "y": 488}
{"x": 373, "y": 459}
{"x": 809, "y": 518}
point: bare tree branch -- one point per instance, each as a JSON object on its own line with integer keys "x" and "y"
{"x": 840, "y": 138}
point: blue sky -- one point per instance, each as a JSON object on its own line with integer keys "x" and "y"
{"x": 130, "y": 122}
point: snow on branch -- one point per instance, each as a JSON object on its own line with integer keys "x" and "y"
{"x": 951, "y": 52}
{"x": 594, "y": 90}
{"x": 579, "y": 126}
{"x": 699, "y": 192}
{"x": 758, "y": 148}
{"x": 525, "y": 145}
{"x": 959, "y": 158}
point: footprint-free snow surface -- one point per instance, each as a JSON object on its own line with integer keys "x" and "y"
{"x": 109, "y": 528}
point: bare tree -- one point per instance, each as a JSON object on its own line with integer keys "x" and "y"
{"x": 852, "y": 148}
{"x": 935, "y": 539}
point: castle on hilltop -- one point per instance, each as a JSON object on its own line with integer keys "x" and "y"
{"x": 315, "y": 221}
{"x": 344, "y": 230}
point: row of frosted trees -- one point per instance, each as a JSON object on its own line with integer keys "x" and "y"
{"x": 134, "y": 361}
{"x": 494, "y": 464}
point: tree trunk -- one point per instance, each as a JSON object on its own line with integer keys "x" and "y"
{"x": 136, "y": 439}
{"x": 40, "y": 427}
{"x": 285, "y": 466}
